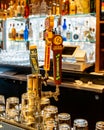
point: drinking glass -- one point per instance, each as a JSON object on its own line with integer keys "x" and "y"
{"x": 50, "y": 118}
{"x": 99, "y": 125}
{"x": 2, "y": 106}
{"x": 43, "y": 103}
{"x": 64, "y": 118}
{"x": 12, "y": 108}
{"x": 80, "y": 124}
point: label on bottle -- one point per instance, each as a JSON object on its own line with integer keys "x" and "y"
{"x": 68, "y": 35}
{"x": 75, "y": 37}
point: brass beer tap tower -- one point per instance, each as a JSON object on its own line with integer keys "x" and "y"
{"x": 35, "y": 80}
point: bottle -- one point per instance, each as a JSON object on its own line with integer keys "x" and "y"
{"x": 26, "y": 33}
{"x": 17, "y": 32}
{"x": 73, "y": 7}
{"x": 30, "y": 32}
{"x": 1, "y": 32}
{"x": 41, "y": 31}
{"x": 54, "y": 7}
{"x": 5, "y": 12}
{"x": 63, "y": 7}
{"x": 11, "y": 11}
{"x": 13, "y": 32}
{"x": 92, "y": 6}
{"x": 26, "y": 9}
{"x": 43, "y": 8}
{"x": 22, "y": 9}
{"x": 86, "y": 30}
{"x": 50, "y": 8}
{"x": 21, "y": 32}
{"x": 10, "y": 32}
{"x": 57, "y": 7}
{"x": 66, "y": 7}
{"x": 76, "y": 34}
{"x": 18, "y": 9}
{"x": 15, "y": 8}
{"x": 1, "y": 10}
{"x": 59, "y": 27}
{"x": 64, "y": 30}
{"x": 69, "y": 33}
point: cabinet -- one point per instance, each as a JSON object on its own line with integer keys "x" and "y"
{"x": 99, "y": 64}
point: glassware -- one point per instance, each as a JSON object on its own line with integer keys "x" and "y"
{"x": 99, "y": 125}
{"x": 80, "y": 124}
{"x": 44, "y": 102}
{"x": 50, "y": 119}
{"x": 64, "y": 126}
{"x": 64, "y": 30}
{"x": 26, "y": 32}
{"x": 28, "y": 109}
{"x": 12, "y": 108}
{"x": 2, "y": 106}
{"x": 64, "y": 118}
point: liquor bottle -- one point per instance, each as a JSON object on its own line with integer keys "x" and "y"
{"x": 21, "y": 32}
{"x": 10, "y": 32}
{"x": 22, "y": 9}
{"x": 54, "y": 7}
{"x": 5, "y": 12}
{"x": 1, "y": 10}
{"x": 92, "y": 6}
{"x": 41, "y": 31}
{"x": 102, "y": 10}
{"x": 50, "y": 7}
{"x": 30, "y": 32}
{"x": 73, "y": 7}
{"x": 26, "y": 32}
{"x": 17, "y": 32}
{"x": 26, "y": 9}
{"x": 57, "y": 7}
{"x": 1, "y": 32}
{"x": 69, "y": 33}
{"x": 13, "y": 32}
{"x": 85, "y": 30}
{"x": 64, "y": 30}
{"x": 76, "y": 34}
{"x": 15, "y": 8}
{"x": 59, "y": 27}
{"x": 63, "y": 8}
{"x": 43, "y": 8}
{"x": 11, "y": 11}
{"x": 66, "y": 7}
{"x": 18, "y": 9}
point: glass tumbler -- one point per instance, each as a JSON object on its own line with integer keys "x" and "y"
{"x": 12, "y": 108}
{"x": 50, "y": 118}
{"x": 64, "y": 118}
{"x": 80, "y": 124}
{"x": 2, "y": 106}
{"x": 99, "y": 125}
{"x": 44, "y": 102}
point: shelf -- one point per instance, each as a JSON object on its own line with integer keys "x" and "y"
{"x": 80, "y": 15}
{"x": 19, "y": 40}
{"x": 56, "y": 16}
